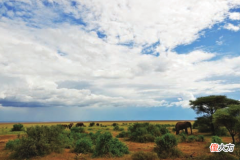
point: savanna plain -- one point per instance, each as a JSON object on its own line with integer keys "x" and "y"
{"x": 187, "y": 146}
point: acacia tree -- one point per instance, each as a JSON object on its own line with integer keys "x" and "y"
{"x": 228, "y": 117}
{"x": 208, "y": 105}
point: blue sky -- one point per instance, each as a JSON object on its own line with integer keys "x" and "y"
{"x": 105, "y": 60}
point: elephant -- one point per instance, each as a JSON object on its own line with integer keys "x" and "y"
{"x": 70, "y": 125}
{"x": 183, "y": 125}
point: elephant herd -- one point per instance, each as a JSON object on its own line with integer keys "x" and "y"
{"x": 80, "y": 124}
{"x": 71, "y": 124}
{"x": 179, "y": 126}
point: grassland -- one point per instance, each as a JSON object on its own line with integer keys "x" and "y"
{"x": 195, "y": 149}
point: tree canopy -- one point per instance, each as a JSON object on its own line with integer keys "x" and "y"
{"x": 208, "y": 105}
{"x": 228, "y": 117}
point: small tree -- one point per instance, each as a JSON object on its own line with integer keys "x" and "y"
{"x": 228, "y": 117}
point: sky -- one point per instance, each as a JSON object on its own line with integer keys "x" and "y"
{"x": 89, "y": 60}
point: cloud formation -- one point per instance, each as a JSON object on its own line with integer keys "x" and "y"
{"x": 89, "y": 53}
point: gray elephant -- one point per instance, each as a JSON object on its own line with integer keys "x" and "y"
{"x": 183, "y": 125}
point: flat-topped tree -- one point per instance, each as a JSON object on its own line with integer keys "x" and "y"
{"x": 208, "y": 105}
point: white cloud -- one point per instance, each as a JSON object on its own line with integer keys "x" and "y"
{"x": 234, "y": 16}
{"x": 114, "y": 75}
{"x": 232, "y": 27}
{"x": 171, "y": 22}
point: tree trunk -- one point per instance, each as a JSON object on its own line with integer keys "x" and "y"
{"x": 213, "y": 129}
{"x": 233, "y": 138}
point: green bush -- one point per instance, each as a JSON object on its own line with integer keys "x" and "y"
{"x": 83, "y": 146}
{"x": 195, "y": 125}
{"x": 94, "y": 136}
{"x": 183, "y": 137}
{"x": 174, "y": 129}
{"x": 39, "y": 141}
{"x": 123, "y": 134}
{"x": 191, "y": 138}
{"x": 77, "y": 136}
{"x": 216, "y": 139}
{"x": 12, "y": 144}
{"x": 114, "y": 124}
{"x": 78, "y": 129}
{"x": 144, "y": 156}
{"x": 17, "y": 127}
{"x": 166, "y": 142}
{"x": 200, "y": 138}
{"x": 146, "y": 138}
{"x": 145, "y": 132}
{"x": 67, "y": 140}
{"x": 221, "y": 131}
{"x": 116, "y": 128}
{"x": 107, "y": 145}
{"x": 166, "y": 146}
{"x": 91, "y": 124}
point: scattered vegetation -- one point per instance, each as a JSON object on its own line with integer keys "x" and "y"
{"x": 144, "y": 156}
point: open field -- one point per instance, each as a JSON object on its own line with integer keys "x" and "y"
{"x": 195, "y": 148}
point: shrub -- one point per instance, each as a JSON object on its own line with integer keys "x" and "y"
{"x": 78, "y": 129}
{"x": 77, "y": 136}
{"x": 94, "y": 136}
{"x": 39, "y": 141}
{"x": 183, "y": 137}
{"x": 121, "y": 129}
{"x": 107, "y": 145}
{"x": 163, "y": 130}
{"x": 116, "y": 128}
{"x": 67, "y": 140}
{"x": 12, "y": 144}
{"x": 221, "y": 131}
{"x": 28, "y": 148}
{"x": 217, "y": 156}
{"x": 17, "y": 127}
{"x": 195, "y": 125}
{"x": 200, "y": 138}
{"x": 144, "y": 156}
{"x": 91, "y": 124}
{"x": 166, "y": 142}
{"x": 166, "y": 146}
{"x": 83, "y": 145}
{"x": 216, "y": 139}
{"x": 174, "y": 129}
{"x": 123, "y": 134}
{"x": 191, "y": 138}
{"x": 115, "y": 124}
{"x": 145, "y": 132}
